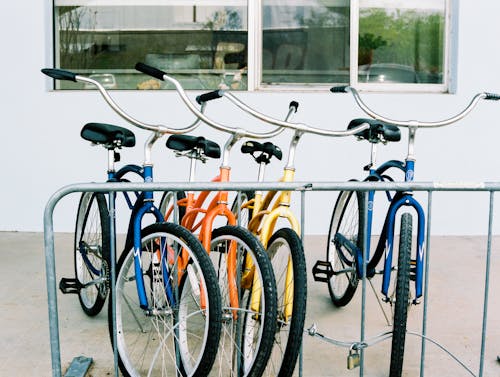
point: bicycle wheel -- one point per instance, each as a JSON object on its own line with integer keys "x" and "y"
{"x": 167, "y": 203}
{"x": 91, "y": 248}
{"x": 285, "y": 250}
{"x": 178, "y": 334}
{"x": 347, "y": 220}
{"x": 245, "y": 214}
{"x": 402, "y": 296}
{"x": 248, "y": 329}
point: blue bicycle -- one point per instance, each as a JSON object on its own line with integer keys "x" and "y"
{"x": 92, "y": 233}
{"x": 167, "y": 303}
{"x": 343, "y": 267}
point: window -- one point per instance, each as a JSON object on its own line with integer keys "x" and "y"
{"x": 257, "y": 44}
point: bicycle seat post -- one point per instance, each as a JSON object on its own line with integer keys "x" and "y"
{"x": 262, "y": 171}
{"x": 192, "y": 167}
{"x": 373, "y": 157}
{"x": 113, "y": 156}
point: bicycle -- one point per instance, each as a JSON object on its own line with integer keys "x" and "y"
{"x": 167, "y": 304}
{"x": 246, "y": 281}
{"x": 92, "y": 233}
{"x": 284, "y": 246}
{"x": 347, "y": 240}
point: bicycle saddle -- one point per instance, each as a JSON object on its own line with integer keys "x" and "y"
{"x": 268, "y": 150}
{"x": 183, "y": 143}
{"x": 108, "y": 135}
{"x": 378, "y": 131}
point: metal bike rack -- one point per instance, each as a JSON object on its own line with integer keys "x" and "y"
{"x": 301, "y": 187}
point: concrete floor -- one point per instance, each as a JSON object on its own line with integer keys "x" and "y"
{"x": 454, "y": 314}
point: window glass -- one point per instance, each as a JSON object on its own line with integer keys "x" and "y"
{"x": 204, "y": 43}
{"x": 401, "y": 41}
{"x": 305, "y": 41}
{"x": 204, "y": 46}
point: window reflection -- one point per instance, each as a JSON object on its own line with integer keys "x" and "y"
{"x": 401, "y": 42}
{"x": 305, "y": 41}
{"x": 205, "y": 47}
{"x": 204, "y": 44}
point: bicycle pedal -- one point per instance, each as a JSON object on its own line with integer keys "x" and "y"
{"x": 322, "y": 271}
{"x": 70, "y": 285}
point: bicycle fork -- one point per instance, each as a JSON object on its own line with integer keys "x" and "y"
{"x": 418, "y": 268}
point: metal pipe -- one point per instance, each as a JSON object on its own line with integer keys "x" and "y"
{"x": 426, "y": 280}
{"x": 486, "y": 284}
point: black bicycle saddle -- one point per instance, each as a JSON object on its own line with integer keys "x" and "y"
{"x": 268, "y": 150}
{"x": 108, "y": 135}
{"x": 183, "y": 143}
{"x": 378, "y": 131}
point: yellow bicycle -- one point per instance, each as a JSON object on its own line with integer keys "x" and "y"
{"x": 260, "y": 213}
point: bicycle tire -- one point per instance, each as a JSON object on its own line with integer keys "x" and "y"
{"x": 91, "y": 251}
{"x": 285, "y": 245}
{"x": 347, "y": 219}
{"x": 180, "y": 339}
{"x": 402, "y": 296}
{"x": 245, "y": 214}
{"x": 167, "y": 202}
{"x": 248, "y": 330}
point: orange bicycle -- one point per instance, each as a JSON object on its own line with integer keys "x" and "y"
{"x": 246, "y": 280}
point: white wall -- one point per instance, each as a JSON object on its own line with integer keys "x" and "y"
{"x": 41, "y": 149}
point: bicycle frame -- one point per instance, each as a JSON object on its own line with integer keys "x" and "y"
{"x": 263, "y": 220}
{"x": 386, "y": 240}
{"x": 217, "y": 208}
{"x": 400, "y": 200}
{"x": 145, "y": 201}
{"x": 143, "y": 204}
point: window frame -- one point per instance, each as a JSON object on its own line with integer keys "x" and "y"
{"x": 449, "y": 60}
{"x": 255, "y": 36}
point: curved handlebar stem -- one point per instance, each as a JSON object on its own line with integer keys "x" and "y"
{"x": 416, "y": 123}
{"x": 182, "y": 93}
{"x": 59, "y": 74}
{"x": 296, "y": 126}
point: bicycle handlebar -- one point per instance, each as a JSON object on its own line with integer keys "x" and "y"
{"x": 492, "y": 96}
{"x": 244, "y": 133}
{"x": 415, "y": 123}
{"x": 208, "y": 96}
{"x": 154, "y": 72}
{"x": 60, "y": 74}
{"x": 296, "y": 126}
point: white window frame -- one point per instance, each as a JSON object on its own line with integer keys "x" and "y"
{"x": 449, "y": 69}
{"x": 254, "y": 73}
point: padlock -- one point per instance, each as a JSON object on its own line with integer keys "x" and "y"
{"x": 353, "y": 359}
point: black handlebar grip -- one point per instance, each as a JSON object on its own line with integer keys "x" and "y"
{"x": 151, "y": 71}
{"x": 492, "y": 96}
{"x": 208, "y": 96}
{"x": 294, "y": 104}
{"x": 339, "y": 89}
{"x": 59, "y": 74}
